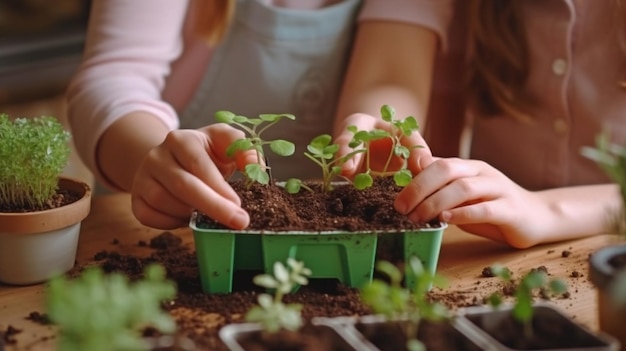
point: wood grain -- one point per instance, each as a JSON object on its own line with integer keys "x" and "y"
{"x": 463, "y": 257}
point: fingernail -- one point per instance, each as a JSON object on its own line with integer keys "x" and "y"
{"x": 239, "y": 220}
{"x": 401, "y": 206}
{"x": 445, "y": 216}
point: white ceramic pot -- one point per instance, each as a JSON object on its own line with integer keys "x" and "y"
{"x": 35, "y": 246}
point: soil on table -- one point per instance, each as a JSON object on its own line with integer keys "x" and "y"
{"x": 200, "y": 316}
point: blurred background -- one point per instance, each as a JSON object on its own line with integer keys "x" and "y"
{"x": 41, "y": 43}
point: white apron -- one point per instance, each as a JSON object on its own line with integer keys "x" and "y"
{"x": 279, "y": 60}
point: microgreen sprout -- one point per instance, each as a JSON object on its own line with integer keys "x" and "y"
{"x": 101, "y": 312}
{"x": 271, "y": 312}
{"x": 612, "y": 159}
{"x": 255, "y": 127}
{"x": 323, "y": 152}
{"x": 409, "y": 305}
{"x": 398, "y": 129}
{"x": 535, "y": 279}
{"x": 33, "y": 153}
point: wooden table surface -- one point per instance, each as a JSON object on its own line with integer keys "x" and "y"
{"x": 462, "y": 258}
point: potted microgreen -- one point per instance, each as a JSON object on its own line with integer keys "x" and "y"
{"x": 275, "y": 324}
{"x": 40, "y": 211}
{"x": 607, "y": 266}
{"x": 107, "y": 312}
{"x": 525, "y": 324}
{"x": 405, "y": 318}
{"x": 283, "y": 215}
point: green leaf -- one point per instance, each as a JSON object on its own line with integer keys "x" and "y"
{"x": 256, "y": 172}
{"x": 293, "y": 185}
{"x": 387, "y": 112}
{"x": 239, "y": 145}
{"x": 363, "y": 181}
{"x": 282, "y": 147}
{"x": 403, "y": 177}
{"x": 224, "y": 117}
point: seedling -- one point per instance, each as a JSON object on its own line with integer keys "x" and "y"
{"x": 523, "y": 306}
{"x": 255, "y": 127}
{"x": 323, "y": 152}
{"x": 271, "y": 313}
{"x": 33, "y": 153}
{"x": 409, "y": 306}
{"x": 397, "y": 130}
{"x": 612, "y": 159}
{"x": 101, "y": 312}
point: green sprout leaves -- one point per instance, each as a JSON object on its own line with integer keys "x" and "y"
{"x": 391, "y": 299}
{"x": 254, "y": 128}
{"x": 33, "y": 153}
{"x": 101, "y": 312}
{"x": 271, "y": 312}
{"x": 397, "y": 129}
{"x": 612, "y": 159}
{"x": 534, "y": 280}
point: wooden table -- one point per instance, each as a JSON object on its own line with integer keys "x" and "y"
{"x": 463, "y": 257}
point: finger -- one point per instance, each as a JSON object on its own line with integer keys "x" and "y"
{"x": 152, "y": 217}
{"x": 463, "y": 191}
{"x": 430, "y": 180}
{"x": 362, "y": 122}
{"x": 159, "y": 198}
{"x": 420, "y": 156}
{"x": 206, "y": 198}
{"x": 194, "y": 154}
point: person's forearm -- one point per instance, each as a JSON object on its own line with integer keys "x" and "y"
{"x": 122, "y": 147}
{"x": 392, "y": 64}
{"x": 580, "y": 211}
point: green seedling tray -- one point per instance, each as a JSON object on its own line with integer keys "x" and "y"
{"x": 348, "y": 257}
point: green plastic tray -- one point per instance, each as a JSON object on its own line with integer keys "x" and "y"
{"x": 348, "y": 257}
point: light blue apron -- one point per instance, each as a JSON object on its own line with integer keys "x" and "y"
{"x": 279, "y": 60}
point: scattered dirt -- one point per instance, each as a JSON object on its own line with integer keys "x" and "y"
{"x": 199, "y": 316}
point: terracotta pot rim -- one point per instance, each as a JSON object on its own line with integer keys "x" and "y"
{"x": 601, "y": 272}
{"x": 53, "y": 219}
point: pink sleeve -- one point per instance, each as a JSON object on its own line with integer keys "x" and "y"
{"x": 432, "y": 14}
{"x": 130, "y": 45}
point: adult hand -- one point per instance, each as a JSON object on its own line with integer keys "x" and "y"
{"x": 188, "y": 171}
{"x": 380, "y": 149}
{"x": 478, "y": 198}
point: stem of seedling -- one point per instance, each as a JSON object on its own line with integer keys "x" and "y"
{"x": 255, "y": 172}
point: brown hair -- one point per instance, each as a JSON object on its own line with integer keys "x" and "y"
{"x": 212, "y": 18}
{"x": 498, "y": 64}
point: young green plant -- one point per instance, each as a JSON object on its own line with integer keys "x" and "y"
{"x": 33, "y": 154}
{"x": 398, "y": 129}
{"x": 271, "y": 312}
{"x": 612, "y": 159}
{"x": 99, "y": 312}
{"x": 408, "y": 305}
{"x": 535, "y": 279}
{"x": 255, "y": 127}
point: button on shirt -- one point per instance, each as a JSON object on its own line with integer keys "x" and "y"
{"x": 576, "y": 66}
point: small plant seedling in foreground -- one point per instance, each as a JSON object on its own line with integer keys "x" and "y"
{"x": 33, "y": 153}
{"x": 272, "y": 313}
{"x": 523, "y": 306}
{"x": 99, "y": 312}
{"x": 398, "y": 303}
{"x": 255, "y": 127}
{"x": 612, "y": 159}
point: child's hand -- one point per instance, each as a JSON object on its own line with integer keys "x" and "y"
{"x": 479, "y": 199}
{"x": 186, "y": 172}
{"x": 419, "y": 159}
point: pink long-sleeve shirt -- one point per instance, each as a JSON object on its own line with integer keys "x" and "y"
{"x": 141, "y": 55}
